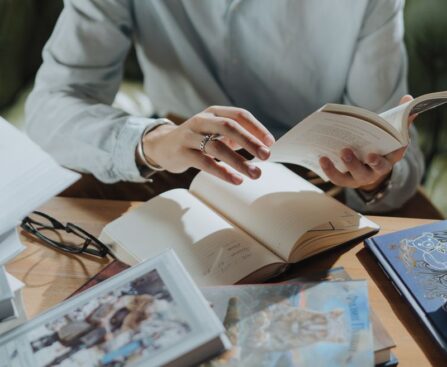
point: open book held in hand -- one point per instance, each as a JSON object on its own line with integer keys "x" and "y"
{"x": 226, "y": 234}
{"x": 334, "y": 127}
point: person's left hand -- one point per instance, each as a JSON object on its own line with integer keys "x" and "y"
{"x": 367, "y": 175}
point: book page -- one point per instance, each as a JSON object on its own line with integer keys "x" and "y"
{"x": 398, "y": 116}
{"x": 347, "y": 227}
{"x": 362, "y": 114}
{"x": 212, "y": 250}
{"x": 326, "y": 134}
{"x": 277, "y": 209}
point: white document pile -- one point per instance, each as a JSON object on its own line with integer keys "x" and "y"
{"x": 28, "y": 178}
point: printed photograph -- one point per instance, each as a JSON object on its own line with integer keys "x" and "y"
{"x": 116, "y": 328}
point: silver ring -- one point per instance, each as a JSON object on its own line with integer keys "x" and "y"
{"x": 206, "y": 139}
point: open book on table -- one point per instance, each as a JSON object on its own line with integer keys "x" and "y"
{"x": 226, "y": 234}
{"x": 334, "y": 127}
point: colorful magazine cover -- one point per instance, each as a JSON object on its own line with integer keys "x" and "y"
{"x": 120, "y": 326}
{"x": 149, "y": 315}
{"x": 301, "y": 324}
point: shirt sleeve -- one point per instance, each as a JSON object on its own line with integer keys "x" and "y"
{"x": 69, "y": 111}
{"x": 377, "y": 80}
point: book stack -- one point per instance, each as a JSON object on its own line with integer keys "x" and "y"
{"x": 29, "y": 178}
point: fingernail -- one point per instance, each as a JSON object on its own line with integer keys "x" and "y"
{"x": 324, "y": 162}
{"x": 237, "y": 180}
{"x": 263, "y": 153}
{"x": 347, "y": 156}
{"x": 373, "y": 160}
{"x": 269, "y": 140}
{"x": 253, "y": 171}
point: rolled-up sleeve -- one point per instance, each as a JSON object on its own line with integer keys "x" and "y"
{"x": 69, "y": 111}
{"x": 377, "y": 80}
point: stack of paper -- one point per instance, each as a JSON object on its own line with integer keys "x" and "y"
{"x": 29, "y": 178}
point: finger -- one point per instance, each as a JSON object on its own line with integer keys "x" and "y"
{"x": 396, "y": 156}
{"x": 356, "y": 168}
{"x": 406, "y": 98}
{"x": 379, "y": 164}
{"x": 224, "y": 153}
{"x": 233, "y": 131}
{"x": 247, "y": 120}
{"x": 206, "y": 163}
{"x": 336, "y": 177}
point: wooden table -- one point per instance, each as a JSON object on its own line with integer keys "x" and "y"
{"x": 50, "y": 276}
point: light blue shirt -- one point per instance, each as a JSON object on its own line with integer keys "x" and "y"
{"x": 280, "y": 59}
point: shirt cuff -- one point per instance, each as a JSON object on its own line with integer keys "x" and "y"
{"x": 123, "y": 157}
{"x": 393, "y": 198}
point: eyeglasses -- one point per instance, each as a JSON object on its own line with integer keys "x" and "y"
{"x": 75, "y": 239}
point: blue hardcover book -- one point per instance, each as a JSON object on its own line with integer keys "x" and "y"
{"x": 415, "y": 260}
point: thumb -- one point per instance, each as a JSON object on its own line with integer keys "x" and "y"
{"x": 407, "y": 98}
{"x": 396, "y": 155}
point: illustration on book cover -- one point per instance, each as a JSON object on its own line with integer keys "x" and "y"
{"x": 289, "y": 325}
{"x": 426, "y": 256}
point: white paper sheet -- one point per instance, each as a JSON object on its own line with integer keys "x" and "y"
{"x": 28, "y": 177}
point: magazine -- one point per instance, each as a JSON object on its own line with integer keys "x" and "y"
{"x": 151, "y": 315}
{"x": 300, "y": 324}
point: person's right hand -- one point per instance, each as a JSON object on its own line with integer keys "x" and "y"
{"x": 177, "y": 148}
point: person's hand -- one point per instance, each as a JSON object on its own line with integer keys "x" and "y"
{"x": 367, "y": 175}
{"x": 177, "y": 148}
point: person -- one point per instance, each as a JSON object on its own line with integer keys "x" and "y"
{"x": 221, "y": 63}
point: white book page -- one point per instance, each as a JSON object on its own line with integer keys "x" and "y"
{"x": 326, "y": 134}
{"x": 398, "y": 116}
{"x": 362, "y": 114}
{"x": 29, "y": 176}
{"x": 212, "y": 250}
{"x": 277, "y": 209}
